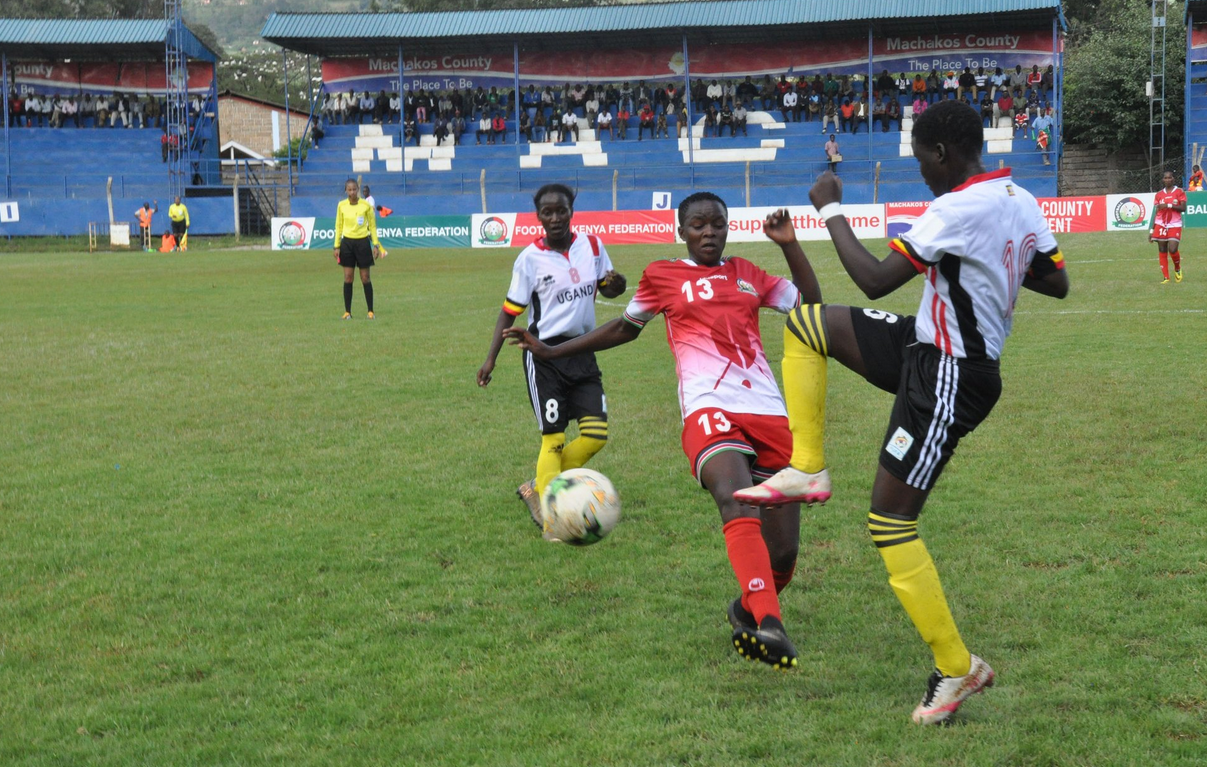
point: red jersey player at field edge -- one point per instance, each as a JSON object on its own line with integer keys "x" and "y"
{"x": 735, "y": 427}
{"x": 1168, "y": 207}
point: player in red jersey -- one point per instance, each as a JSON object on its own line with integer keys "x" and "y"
{"x": 735, "y": 426}
{"x": 1168, "y": 207}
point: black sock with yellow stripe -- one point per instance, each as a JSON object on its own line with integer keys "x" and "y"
{"x": 915, "y": 580}
{"x": 592, "y": 436}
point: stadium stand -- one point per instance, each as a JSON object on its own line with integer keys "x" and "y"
{"x": 1195, "y": 131}
{"x": 774, "y": 160}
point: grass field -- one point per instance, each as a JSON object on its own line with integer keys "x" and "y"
{"x": 238, "y": 531}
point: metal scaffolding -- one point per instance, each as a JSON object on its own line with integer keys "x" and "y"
{"x": 176, "y": 100}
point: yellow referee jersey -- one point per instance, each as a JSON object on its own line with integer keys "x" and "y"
{"x": 355, "y": 221}
{"x": 178, "y": 213}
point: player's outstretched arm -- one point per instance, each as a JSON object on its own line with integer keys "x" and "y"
{"x": 606, "y": 336}
{"x": 1055, "y": 284}
{"x": 496, "y": 342}
{"x": 613, "y": 284}
{"x": 778, "y": 228}
{"x": 874, "y": 277}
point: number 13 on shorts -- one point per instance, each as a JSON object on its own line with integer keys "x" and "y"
{"x": 716, "y": 421}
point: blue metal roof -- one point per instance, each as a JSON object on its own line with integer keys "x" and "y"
{"x": 94, "y": 39}
{"x": 309, "y": 31}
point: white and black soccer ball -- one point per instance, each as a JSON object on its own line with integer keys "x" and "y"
{"x": 581, "y": 507}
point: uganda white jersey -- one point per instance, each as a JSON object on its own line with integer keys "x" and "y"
{"x": 975, "y": 245}
{"x": 558, "y": 287}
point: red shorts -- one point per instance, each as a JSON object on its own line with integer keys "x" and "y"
{"x": 1164, "y": 233}
{"x": 765, "y": 439}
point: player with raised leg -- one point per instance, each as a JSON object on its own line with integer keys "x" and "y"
{"x": 734, "y": 423}
{"x": 982, "y": 239}
{"x": 556, "y": 279}
{"x": 1168, "y": 207}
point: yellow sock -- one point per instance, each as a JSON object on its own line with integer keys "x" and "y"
{"x": 549, "y": 460}
{"x": 592, "y": 436}
{"x": 805, "y": 348}
{"x": 913, "y": 576}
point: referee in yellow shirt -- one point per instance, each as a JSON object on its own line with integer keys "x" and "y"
{"x": 179, "y": 215}
{"x": 355, "y": 227}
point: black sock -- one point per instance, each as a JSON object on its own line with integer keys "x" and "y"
{"x": 369, "y": 295}
{"x": 347, "y": 297}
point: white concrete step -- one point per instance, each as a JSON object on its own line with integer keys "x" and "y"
{"x": 732, "y": 155}
{"x": 683, "y": 144}
{"x": 360, "y": 166}
{"x": 581, "y": 147}
{"x": 374, "y": 142}
{"x": 440, "y": 163}
{"x": 371, "y": 130}
{"x": 586, "y": 134}
{"x": 595, "y": 160}
{"x": 393, "y": 153}
{"x": 530, "y": 161}
{"x": 999, "y": 147}
{"x": 396, "y": 165}
{"x": 363, "y": 154}
{"x": 772, "y": 143}
{"x": 1000, "y": 134}
{"x": 906, "y": 151}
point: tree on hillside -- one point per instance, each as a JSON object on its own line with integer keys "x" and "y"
{"x": 84, "y": 9}
{"x": 1106, "y": 66}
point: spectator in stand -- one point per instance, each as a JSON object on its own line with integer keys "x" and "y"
{"x": 714, "y": 93}
{"x": 919, "y": 106}
{"x": 71, "y": 111}
{"x": 56, "y": 111}
{"x": 817, "y": 86}
{"x": 578, "y": 99}
{"x": 1018, "y": 78}
{"x": 1048, "y": 81}
{"x": 1033, "y": 109}
{"x": 831, "y": 87}
{"x": 531, "y": 101}
{"x": 457, "y": 100}
{"x": 1043, "y": 136}
{"x": 746, "y": 92}
{"x": 539, "y": 131}
{"x": 570, "y": 124}
{"x": 833, "y": 156}
{"x": 33, "y": 111}
{"x": 456, "y": 126}
{"x": 481, "y": 100}
{"x": 951, "y": 84}
{"x": 886, "y": 85}
{"x": 525, "y": 125}
{"x": 47, "y": 109}
{"x": 982, "y": 82}
{"x": 729, "y": 91}
{"x": 440, "y": 128}
{"x": 674, "y": 98}
{"x": 410, "y": 131}
{"x": 483, "y": 130}
{"x": 1195, "y": 182}
{"x": 725, "y": 120}
{"x": 137, "y": 109}
{"x": 643, "y": 93}
{"x": 934, "y": 87}
{"x": 626, "y": 100}
{"x": 498, "y": 128}
{"x": 164, "y": 140}
{"x": 802, "y": 98}
{"x": 782, "y": 87}
{"x": 768, "y": 94}
{"x": 645, "y": 120}
{"x": 996, "y": 81}
{"x": 622, "y": 120}
{"x": 892, "y": 113}
{"x": 381, "y": 106}
{"x": 611, "y": 97}
{"x": 878, "y": 111}
{"x": 739, "y": 120}
{"x": 1003, "y": 107}
{"x": 790, "y": 105}
{"x": 16, "y": 110}
{"x": 1020, "y": 108}
{"x": 904, "y": 84}
{"x": 966, "y": 83}
{"x": 710, "y": 120}
{"x": 861, "y": 115}
{"x": 845, "y": 91}
{"x": 603, "y": 122}
{"x": 329, "y": 107}
{"x": 847, "y": 111}
{"x": 829, "y": 115}
{"x": 1020, "y": 123}
{"x": 660, "y": 126}
{"x": 394, "y": 110}
{"x": 987, "y": 110}
{"x": 494, "y": 101}
{"x": 1035, "y": 78}
{"x": 591, "y": 106}
{"x": 813, "y": 106}
{"x": 351, "y": 108}
{"x": 556, "y": 126}
{"x": 368, "y": 107}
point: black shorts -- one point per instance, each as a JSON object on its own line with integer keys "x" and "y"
{"x": 939, "y": 398}
{"x": 179, "y": 228}
{"x": 354, "y": 252}
{"x": 565, "y": 389}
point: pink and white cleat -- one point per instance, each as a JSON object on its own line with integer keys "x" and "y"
{"x": 944, "y": 694}
{"x": 788, "y": 486}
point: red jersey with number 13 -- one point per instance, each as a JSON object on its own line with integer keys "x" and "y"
{"x": 1168, "y": 217}
{"x": 712, "y": 326}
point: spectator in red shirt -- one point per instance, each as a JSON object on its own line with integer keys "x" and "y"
{"x": 645, "y": 120}
{"x": 1003, "y": 108}
{"x": 848, "y": 115}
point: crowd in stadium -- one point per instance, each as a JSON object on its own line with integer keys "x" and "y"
{"x": 842, "y": 102}
{"x": 130, "y": 110}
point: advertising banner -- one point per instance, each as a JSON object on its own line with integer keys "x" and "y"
{"x": 623, "y": 227}
{"x": 57, "y": 77}
{"x": 393, "y": 232}
{"x": 746, "y": 224}
{"x": 1074, "y": 214}
{"x": 900, "y": 216}
{"x": 1198, "y": 42}
{"x": 908, "y": 53}
{"x": 1128, "y": 212}
{"x": 1194, "y": 218}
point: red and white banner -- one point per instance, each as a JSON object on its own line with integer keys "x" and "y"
{"x": 57, "y": 77}
{"x": 1198, "y": 42}
{"x": 622, "y": 227}
{"x": 746, "y": 224}
{"x": 908, "y": 53}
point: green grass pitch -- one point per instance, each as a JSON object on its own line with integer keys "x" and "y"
{"x": 238, "y": 531}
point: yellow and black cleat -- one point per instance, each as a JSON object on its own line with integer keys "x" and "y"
{"x": 768, "y": 643}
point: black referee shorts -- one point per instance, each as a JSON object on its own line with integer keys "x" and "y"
{"x": 939, "y": 398}
{"x": 178, "y": 229}
{"x": 356, "y": 252}
{"x": 564, "y": 390}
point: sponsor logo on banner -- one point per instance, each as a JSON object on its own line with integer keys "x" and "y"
{"x": 292, "y": 233}
{"x": 1195, "y": 216}
{"x": 492, "y": 230}
{"x": 10, "y": 213}
{"x": 900, "y": 216}
{"x": 746, "y": 224}
{"x": 1128, "y": 212}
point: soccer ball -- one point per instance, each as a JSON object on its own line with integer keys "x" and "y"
{"x": 580, "y": 507}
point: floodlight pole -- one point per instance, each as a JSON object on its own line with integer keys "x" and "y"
{"x": 1187, "y": 160}
{"x": 515, "y": 56}
{"x": 402, "y": 110}
{"x": 687, "y": 97}
{"x": 1057, "y": 69}
{"x": 288, "y": 135}
{"x": 867, "y": 91}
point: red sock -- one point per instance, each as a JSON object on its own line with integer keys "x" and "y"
{"x": 1164, "y": 257}
{"x": 782, "y": 579}
{"x": 1177, "y": 261}
{"x": 752, "y": 565}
